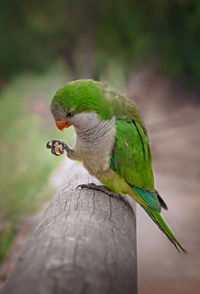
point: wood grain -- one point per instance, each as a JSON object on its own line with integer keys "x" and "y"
{"x": 84, "y": 243}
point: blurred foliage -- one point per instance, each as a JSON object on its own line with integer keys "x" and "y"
{"x": 25, "y": 163}
{"x": 165, "y": 32}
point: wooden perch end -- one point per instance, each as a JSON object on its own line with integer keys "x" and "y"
{"x": 84, "y": 243}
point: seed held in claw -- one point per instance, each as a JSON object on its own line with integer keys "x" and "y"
{"x": 57, "y": 147}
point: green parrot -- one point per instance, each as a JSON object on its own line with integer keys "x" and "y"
{"x": 111, "y": 142}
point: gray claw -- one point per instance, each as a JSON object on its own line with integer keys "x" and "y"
{"x": 51, "y": 145}
{"x": 48, "y": 145}
{"x": 53, "y": 151}
{"x": 101, "y": 188}
{"x": 86, "y": 186}
{"x": 54, "y": 143}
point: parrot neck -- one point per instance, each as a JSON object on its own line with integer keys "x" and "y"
{"x": 96, "y": 132}
{"x": 94, "y": 142}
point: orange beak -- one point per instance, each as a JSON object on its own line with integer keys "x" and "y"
{"x": 61, "y": 124}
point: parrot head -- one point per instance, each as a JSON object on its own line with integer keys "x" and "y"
{"x": 80, "y": 103}
{"x": 83, "y": 103}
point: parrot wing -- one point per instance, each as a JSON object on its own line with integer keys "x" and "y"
{"x": 131, "y": 159}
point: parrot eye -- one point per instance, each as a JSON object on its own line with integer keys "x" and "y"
{"x": 70, "y": 114}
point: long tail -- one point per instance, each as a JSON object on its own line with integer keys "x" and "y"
{"x": 157, "y": 218}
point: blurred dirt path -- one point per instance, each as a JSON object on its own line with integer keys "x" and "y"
{"x": 172, "y": 116}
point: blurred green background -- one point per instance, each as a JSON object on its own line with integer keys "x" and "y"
{"x": 148, "y": 49}
{"x": 86, "y": 35}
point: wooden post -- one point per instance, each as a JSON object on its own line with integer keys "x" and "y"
{"x": 84, "y": 243}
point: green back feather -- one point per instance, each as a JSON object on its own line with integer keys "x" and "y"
{"x": 150, "y": 198}
{"x": 131, "y": 156}
{"x": 131, "y": 159}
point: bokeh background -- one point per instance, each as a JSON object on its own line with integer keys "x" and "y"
{"x": 149, "y": 50}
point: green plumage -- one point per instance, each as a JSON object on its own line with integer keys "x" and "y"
{"x": 131, "y": 159}
{"x": 158, "y": 220}
{"x": 131, "y": 154}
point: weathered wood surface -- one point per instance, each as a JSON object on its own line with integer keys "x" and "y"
{"x": 84, "y": 243}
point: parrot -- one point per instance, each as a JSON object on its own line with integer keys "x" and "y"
{"x": 111, "y": 142}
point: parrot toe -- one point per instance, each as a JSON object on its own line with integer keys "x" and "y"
{"x": 57, "y": 147}
{"x": 100, "y": 188}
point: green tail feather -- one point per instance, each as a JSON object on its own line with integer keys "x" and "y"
{"x": 157, "y": 218}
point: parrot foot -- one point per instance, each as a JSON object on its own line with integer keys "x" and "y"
{"x": 101, "y": 188}
{"x": 58, "y": 147}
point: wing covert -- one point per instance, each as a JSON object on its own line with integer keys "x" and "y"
{"x": 131, "y": 155}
